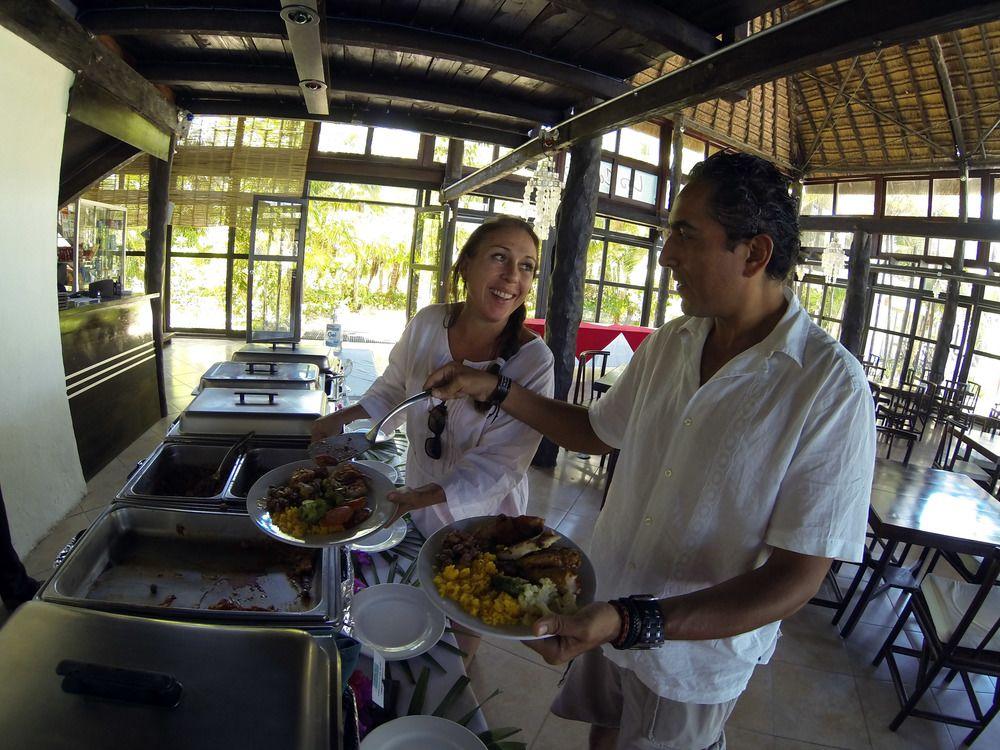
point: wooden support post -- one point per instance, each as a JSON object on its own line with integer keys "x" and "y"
{"x": 942, "y": 345}
{"x": 852, "y": 327}
{"x": 676, "y": 173}
{"x": 452, "y": 172}
{"x": 565, "y": 309}
{"x": 159, "y": 194}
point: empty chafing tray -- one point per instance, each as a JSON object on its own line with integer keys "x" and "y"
{"x": 195, "y": 564}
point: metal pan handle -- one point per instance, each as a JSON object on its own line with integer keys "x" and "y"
{"x": 114, "y": 683}
{"x": 70, "y": 545}
{"x": 272, "y": 367}
{"x": 271, "y": 396}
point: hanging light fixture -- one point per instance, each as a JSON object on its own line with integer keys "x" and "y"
{"x": 833, "y": 260}
{"x": 544, "y": 184}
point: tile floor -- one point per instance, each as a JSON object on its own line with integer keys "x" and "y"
{"x": 819, "y": 691}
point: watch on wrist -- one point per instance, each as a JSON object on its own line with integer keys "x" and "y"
{"x": 642, "y": 622}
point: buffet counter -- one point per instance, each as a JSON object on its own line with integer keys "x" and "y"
{"x": 110, "y": 364}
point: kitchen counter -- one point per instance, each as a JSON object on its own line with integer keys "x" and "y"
{"x": 111, "y": 382}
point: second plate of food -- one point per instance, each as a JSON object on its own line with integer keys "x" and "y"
{"x": 517, "y": 568}
{"x": 315, "y": 506}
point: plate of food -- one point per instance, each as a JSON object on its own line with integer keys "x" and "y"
{"x": 496, "y": 575}
{"x": 318, "y": 506}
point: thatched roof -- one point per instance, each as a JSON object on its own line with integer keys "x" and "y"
{"x": 495, "y": 69}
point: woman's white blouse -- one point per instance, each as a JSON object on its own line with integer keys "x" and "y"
{"x": 483, "y": 464}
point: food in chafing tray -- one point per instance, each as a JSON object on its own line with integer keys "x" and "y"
{"x": 508, "y": 571}
{"x": 319, "y": 500}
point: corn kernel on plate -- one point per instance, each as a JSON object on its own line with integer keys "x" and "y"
{"x": 375, "y": 500}
{"x": 467, "y": 595}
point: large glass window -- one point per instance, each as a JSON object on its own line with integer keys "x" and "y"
{"x": 335, "y": 137}
{"x": 198, "y": 262}
{"x": 984, "y": 368}
{"x": 906, "y": 197}
{"x": 617, "y": 277}
{"x": 817, "y": 200}
{"x": 856, "y": 198}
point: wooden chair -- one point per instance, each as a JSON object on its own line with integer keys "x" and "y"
{"x": 951, "y": 447}
{"x": 898, "y": 421}
{"x": 959, "y": 624}
{"x": 899, "y": 574}
{"x": 587, "y": 360}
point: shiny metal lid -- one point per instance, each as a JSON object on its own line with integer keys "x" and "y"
{"x": 78, "y": 678}
{"x": 226, "y": 411}
{"x": 282, "y": 374}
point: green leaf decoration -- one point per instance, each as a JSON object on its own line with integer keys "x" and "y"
{"x": 496, "y": 735}
{"x": 454, "y": 649}
{"x": 468, "y": 717}
{"x": 409, "y": 572}
{"x": 409, "y": 672}
{"x": 393, "y": 562}
{"x": 451, "y": 696}
{"x": 434, "y": 662}
{"x": 419, "y": 693}
{"x": 375, "y": 573}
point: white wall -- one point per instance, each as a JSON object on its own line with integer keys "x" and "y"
{"x": 39, "y": 466}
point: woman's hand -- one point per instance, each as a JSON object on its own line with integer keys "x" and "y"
{"x": 594, "y": 625}
{"x": 407, "y": 499}
{"x": 324, "y": 427}
{"x": 455, "y": 380}
{"x": 333, "y": 424}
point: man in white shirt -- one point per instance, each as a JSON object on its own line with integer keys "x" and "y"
{"x": 747, "y": 448}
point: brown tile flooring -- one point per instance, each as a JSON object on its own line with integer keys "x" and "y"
{"x": 819, "y": 691}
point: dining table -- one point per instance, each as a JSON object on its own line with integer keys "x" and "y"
{"x": 925, "y": 507}
{"x": 596, "y": 336}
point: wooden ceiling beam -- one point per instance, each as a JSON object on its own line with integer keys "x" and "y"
{"x": 292, "y": 110}
{"x": 904, "y": 128}
{"x": 948, "y": 94}
{"x": 830, "y": 106}
{"x": 846, "y": 28}
{"x": 359, "y": 33}
{"x": 650, "y": 21}
{"x": 969, "y": 87}
{"x": 59, "y": 36}
{"x": 185, "y": 73}
{"x": 917, "y": 93}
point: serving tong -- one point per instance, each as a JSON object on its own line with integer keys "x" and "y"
{"x": 232, "y": 453}
{"x": 344, "y": 447}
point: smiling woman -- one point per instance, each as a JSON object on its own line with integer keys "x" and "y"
{"x": 469, "y": 460}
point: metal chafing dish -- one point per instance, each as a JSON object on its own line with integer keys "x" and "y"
{"x": 196, "y": 564}
{"x": 180, "y": 474}
{"x": 255, "y": 463}
{"x": 228, "y": 411}
{"x": 266, "y": 375}
{"x": 316, "y": 354}
{"x": 172, "y": 475}
{"x": 79, "y": 678}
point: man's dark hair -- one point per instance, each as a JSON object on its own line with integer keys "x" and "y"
{"x": 750, "y": 197}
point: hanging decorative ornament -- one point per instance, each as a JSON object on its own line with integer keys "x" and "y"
{"x": 939, "y": 288}
{"x": 547, "y": 190}
{"x": 833, "y": 260}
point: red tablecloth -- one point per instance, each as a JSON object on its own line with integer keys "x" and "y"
{"x": 597, "y": 335}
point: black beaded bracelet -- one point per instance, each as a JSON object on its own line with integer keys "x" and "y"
{"x": 645, "y": 624}
{"x": 499, "y": 394}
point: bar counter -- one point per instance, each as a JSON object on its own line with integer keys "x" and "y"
{"x": 109, "y": 360}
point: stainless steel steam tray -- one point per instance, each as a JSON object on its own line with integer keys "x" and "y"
{"x": 178, "y": 474}
{"x": 195, "y": 564}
